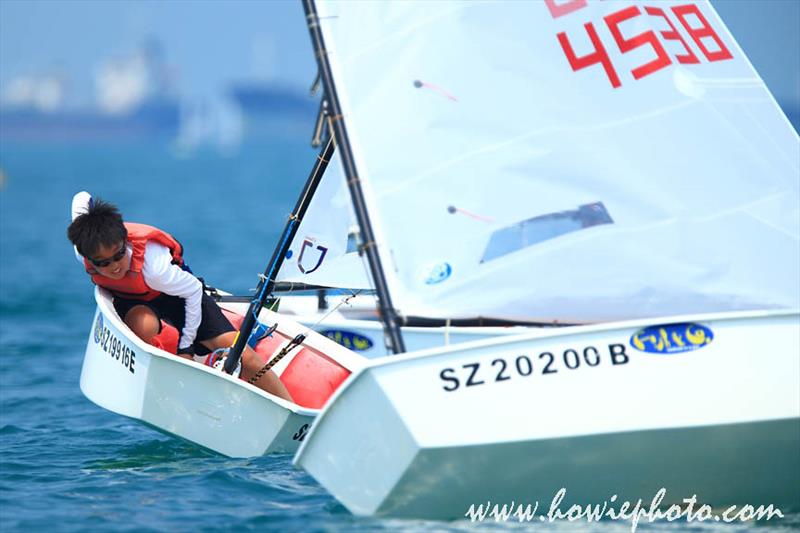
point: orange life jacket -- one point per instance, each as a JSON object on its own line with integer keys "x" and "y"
{"x": 132, "y": 285}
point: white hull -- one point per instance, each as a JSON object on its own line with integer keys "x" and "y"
{"x": 123, "y": 374}
{"x": 429, "y": 434}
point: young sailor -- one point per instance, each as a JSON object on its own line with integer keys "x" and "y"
{"x": 143, "y": 268}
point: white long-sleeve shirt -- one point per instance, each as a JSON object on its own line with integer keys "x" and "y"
{"x": 160, "y": 274}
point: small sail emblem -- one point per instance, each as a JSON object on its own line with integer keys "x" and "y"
{"x": 322, "y": 251}
{"x": 438, "y": 273}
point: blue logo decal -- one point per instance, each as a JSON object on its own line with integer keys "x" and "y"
{"x": 348, "y": 339}
{"x": 98, "y": 328}
{"x": 672, "y": 338}
{"x": 439, "y": 273}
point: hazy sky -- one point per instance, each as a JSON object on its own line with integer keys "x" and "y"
{"x": 211, "y": 43}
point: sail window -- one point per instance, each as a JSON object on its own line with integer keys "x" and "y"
{"x": 544, "y": 227}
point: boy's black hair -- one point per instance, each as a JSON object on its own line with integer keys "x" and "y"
{"x": 101, "y": 225}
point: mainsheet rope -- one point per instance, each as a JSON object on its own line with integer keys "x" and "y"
{"x": 298, "y": 340}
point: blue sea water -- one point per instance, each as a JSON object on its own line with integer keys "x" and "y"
{"x": 67, "y": 465}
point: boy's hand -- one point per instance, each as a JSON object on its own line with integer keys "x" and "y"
{"x": 80, "y": 204}
{"x": 187, "y": 353}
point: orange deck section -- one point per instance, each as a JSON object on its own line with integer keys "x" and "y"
{"x": 311, "y": 377}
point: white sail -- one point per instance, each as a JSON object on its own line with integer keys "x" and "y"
{"x": 593, "y": 161}
{"x": 325, "y": 248}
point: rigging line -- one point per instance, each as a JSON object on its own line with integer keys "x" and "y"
{"x": 326, "y": 315}
{"x": 331, "y": 129}
{"x": 293, "y": 216}
{"x": 291, "y": 345}
{"x": 265, "y": 280}
{"x": 365, "y": 267}
{"x": 313, "y": 19}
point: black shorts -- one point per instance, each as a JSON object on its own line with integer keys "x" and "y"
{"x": 172, "y": 309}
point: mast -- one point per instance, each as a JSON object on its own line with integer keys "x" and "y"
{"x": 267, "y": 282}
{"x": 389, "y": 317}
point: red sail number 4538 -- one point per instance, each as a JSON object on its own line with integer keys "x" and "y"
{"x": 648, "y": 38}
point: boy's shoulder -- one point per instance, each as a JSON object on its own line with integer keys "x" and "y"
{"x": 156, "y": 258}
{"x": 154, "y": 250}
{"x": 144, "y": 229}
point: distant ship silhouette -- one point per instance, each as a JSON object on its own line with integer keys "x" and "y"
{"x": 134, "y": 101}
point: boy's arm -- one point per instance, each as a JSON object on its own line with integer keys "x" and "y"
{"x": 160, "y": 274}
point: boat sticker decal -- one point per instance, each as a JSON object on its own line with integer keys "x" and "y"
{"x": 672, "y": 338}
{"x": 348, "y": 339}
{"x": 522, "y": 366}
{"x": 308, "y": 244}
{"x": 301, "y": 433}
{"x": 113, "y": 346}
{"x": 438, "y": 273}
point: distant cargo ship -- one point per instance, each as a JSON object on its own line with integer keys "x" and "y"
{"x": 133, "y": 101}
{"x": 267, "y": 108}
{"x": 150, "y": 119}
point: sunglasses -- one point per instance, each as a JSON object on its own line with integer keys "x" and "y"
{"x": 113, "y": 259}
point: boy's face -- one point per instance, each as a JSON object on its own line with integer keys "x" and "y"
{"x": 111, "y": 261}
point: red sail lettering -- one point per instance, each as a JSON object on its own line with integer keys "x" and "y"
{"x": 598, "y": 56}
{"x": 673, "y": 35}
{"x": 564, "y": 8}
{"x": 626, "y": 45}
{"x": 705, "y": 30}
